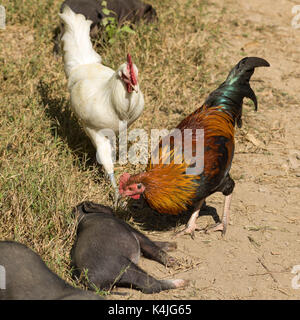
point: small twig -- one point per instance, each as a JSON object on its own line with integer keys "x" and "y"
{"x": 182, "y": 271}
{"x": 267, "y": 269}
{"x": 265, "y": 273}
{"x": 263, "y": 228}
{"x": 254, "y": 242}
{"x": 282, "y": 291}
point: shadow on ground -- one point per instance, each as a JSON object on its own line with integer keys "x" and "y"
{"x": 150, "y": 220}
{"x": 65, "y": 124}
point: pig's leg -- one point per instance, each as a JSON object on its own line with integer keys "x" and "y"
{"x": 153, "y": 251}
{"x": 136, "y": 278}
{"x": 165, "y": 245}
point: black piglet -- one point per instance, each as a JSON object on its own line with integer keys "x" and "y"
{"x": 108, "y": 250}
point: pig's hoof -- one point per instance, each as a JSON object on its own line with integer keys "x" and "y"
{"x": 180, "y": 283}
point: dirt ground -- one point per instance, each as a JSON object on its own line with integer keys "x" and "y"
{"x": 255, "y": 258}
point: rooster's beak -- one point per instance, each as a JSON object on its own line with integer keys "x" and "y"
{"x": 135, "y": 88}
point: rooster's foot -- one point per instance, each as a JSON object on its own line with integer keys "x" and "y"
{"x": 123, "y": 205}
{"x": 221, "y": 226}
{"x": 116, "y": 199}
{"x": 191, "y": 226}
{"x": 187, "y": 230}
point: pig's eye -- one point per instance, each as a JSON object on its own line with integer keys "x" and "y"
{"x": 139, "y": 185}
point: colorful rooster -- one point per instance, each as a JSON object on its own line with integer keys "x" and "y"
{"x": 174, "y": 187}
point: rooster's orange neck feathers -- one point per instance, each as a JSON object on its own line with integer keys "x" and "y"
{"x": 167, "y": 188}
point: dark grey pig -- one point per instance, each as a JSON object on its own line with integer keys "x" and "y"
{"x": 107, "y": 249}
{"x": 24, "y": 276}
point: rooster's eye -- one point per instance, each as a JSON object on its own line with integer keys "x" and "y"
{"x": 139, "y": 185}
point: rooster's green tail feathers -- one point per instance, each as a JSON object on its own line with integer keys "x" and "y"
{"x": 231, "y": 92}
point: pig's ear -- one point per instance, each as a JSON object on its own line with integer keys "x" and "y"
{"x": 78, "y": 210}
{"x": 92, "y": 207}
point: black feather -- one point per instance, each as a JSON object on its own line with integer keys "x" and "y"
{"x": 232, "y": 91}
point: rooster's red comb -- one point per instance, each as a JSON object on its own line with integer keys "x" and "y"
{"x": 123, "y": 181}
{"x": 131, "y": 70}
{"x": 129, "y": 60}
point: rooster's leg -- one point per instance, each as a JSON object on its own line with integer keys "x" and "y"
{"x": 104, "y": 157}
{"x": 222, "y": 226}
{"x": 191, "y": 225}
{"x": 113, "y": 183}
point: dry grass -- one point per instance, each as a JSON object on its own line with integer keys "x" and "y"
{"x": 47, "y": 164}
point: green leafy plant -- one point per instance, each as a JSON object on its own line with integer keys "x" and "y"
{"x": 111, "y": 26}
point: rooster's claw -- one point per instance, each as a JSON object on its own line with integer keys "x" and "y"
{"x": 217, "y": 227}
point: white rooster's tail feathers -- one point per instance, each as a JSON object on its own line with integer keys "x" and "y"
{"x": 77, "y": 44}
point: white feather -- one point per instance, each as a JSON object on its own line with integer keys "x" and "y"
{"x": 77, "y": 45}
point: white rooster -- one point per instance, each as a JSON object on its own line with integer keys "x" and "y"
{"x": 100, "y": 97}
